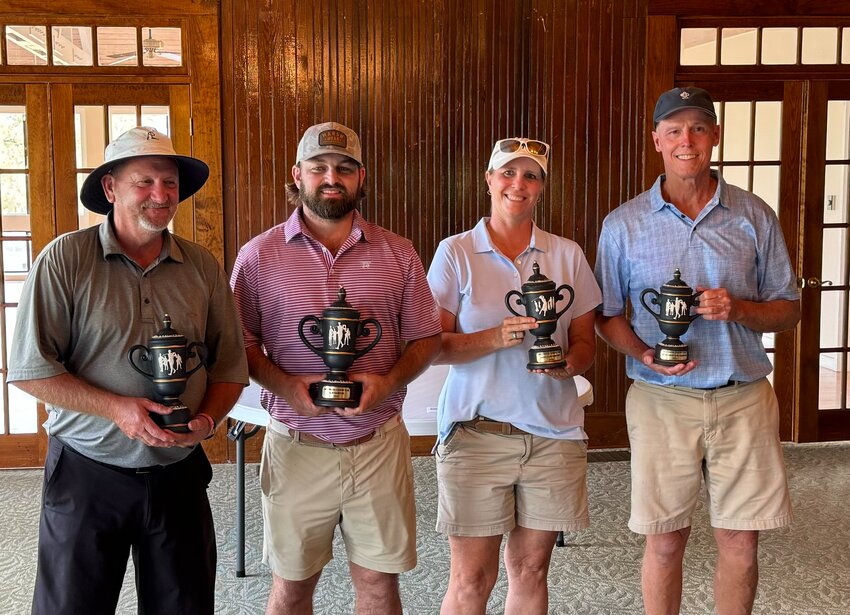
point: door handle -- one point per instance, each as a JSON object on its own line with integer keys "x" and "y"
{"x": 814, "y": 282}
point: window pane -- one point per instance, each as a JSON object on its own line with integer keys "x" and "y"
{"x": 71, "y": 45}
{"x": 820, "y": 46}
{"x": 85, "y": 217}
{"x": 768, "y": 340}
{"x": 161, "y": 47}
{"x": 116, "y": 47}
{"x": 832, "y": 318}
{"x": 831, "y": 368}
{"x": 845, "y": 46}
{"x": 26, "y": 45}
{"x": 766, "y": 185}
{"x": 737, "y": 176}
{"x": 834, "y": 255}
{"x": 838, "y": 130}
{"x": 89, "y": 137}
{"x": 121, "y": 119}
{"x": 23, "y": 414}
{"x": 768, "y": 131}
{"x": 738, "y": 46}
{"x": 13, "y": 194}
{"x": 13, "y": 153}
{"x": 698, "y": 46}
{"x": 835, "y": 193}
{"x": 16, "y": 258}
{"x": 736, "y": 131}
{"x": 155, "y": 117}
{"x": 779, "y": 46}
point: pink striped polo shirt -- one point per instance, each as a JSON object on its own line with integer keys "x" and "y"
{"x": 285, "y": 274}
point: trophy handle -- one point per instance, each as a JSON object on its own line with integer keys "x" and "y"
{"x": 362, "y": 330}
{"x": 146, "y": 356}
{"x": 695, "y": 302}
{"x": 651, "y": 291}
{"x": 558, "y": 290}
{"x": 301, "y": 324}
{"x": 202, "y": 356}
{"x": 518, "y": 301}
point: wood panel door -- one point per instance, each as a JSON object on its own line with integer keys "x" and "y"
{"x": 53, "y": 136}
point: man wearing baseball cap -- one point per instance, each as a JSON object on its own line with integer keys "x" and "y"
{"x": 711, "y": 417}
{"x": 328, "y": 466}
{"x": 115, "y": 481}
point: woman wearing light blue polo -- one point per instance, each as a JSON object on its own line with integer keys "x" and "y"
{"x": 512, "y": 452}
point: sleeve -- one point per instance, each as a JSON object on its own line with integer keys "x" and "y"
{"x": 42, "y": 338}
{"x": 444, "y": 280}
{"x": 243, "y": 281}
{"x": 420, "y": 317}
{"x": 611, "y": 272}
{"x": 224, "y": 335}
{"x": 776, "y": 277}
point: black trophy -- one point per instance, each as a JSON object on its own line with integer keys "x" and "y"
{"x": 674, "y": 318}
{"x": 340, "y": 327}
{"x": 168, "y": 353}
{"x": 539, "y": 297}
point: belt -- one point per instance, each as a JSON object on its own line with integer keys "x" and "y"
{"x": 127, "y": 471}
{"x": 731, "y": 383}
{"x": 482, "y": 423}
{"x": 310, "y": 439}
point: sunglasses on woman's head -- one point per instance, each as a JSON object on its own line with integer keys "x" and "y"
{"x": 538, "y": 148}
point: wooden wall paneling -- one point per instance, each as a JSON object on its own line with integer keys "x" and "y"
{"x": 662, "y": 56}
{"x": 64, "y": 170}
{"x": 40, "y": 161}
{"x": 735, "y": 8}
{"x": 181, "y": 116}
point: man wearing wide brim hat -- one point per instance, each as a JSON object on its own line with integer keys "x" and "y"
{"x": 90, "y": 297}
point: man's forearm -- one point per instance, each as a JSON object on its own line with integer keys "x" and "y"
{"x": 415, "y": 359}
{"x": 72, "y": 393}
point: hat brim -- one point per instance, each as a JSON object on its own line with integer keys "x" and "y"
{"x": 193, "y": 175}
{"x": 710, "y": 114}
{"x": 497, "y": 161}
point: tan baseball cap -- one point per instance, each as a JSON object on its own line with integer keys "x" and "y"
{"x": 329, "y": 138}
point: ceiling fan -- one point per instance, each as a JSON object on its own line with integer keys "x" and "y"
{"x": 151, "y": 48}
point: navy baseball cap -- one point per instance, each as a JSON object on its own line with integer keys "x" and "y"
{"x": 679, "y": 99}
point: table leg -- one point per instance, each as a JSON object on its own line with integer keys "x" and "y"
{"x": 238, "y": 434}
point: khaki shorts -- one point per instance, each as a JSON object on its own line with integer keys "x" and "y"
{"x": 489, "y": 483}
{"x": 366, "y": 489}
{"x": 728, "y": 437}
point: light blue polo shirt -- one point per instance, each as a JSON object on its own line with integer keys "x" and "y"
{"x": 735, "y": 243}
{"x": 470, "y": 278}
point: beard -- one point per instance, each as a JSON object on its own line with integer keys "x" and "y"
{"x": 149, "y": 225}
{"x": 325, "y": 208}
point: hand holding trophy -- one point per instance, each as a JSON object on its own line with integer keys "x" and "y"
{"x": 168, "y": 353}
{"x": 539, "y": 296}
{"x": 339, "y": 326}
{"x": 675, "y": 302}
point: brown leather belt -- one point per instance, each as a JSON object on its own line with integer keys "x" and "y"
{"x": 303, "y": 436}
{"x": 311, "y": 440}
{"x": 481, "y": 423}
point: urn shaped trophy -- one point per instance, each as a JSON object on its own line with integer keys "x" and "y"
{"x": 539, "y": 296}
{"x": 340, "y": 327}
{"x": 168, "y": 353}
{"x": 674, "y": 301}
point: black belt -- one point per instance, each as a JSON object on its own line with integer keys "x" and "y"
{"x": 482, "y": 423}
{"x": 731, "y": 383}
{"x": 130, "y": 471}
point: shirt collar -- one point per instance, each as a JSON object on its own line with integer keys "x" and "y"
{"x": 111, "y": 245}
{"x": 657, "y": 202}
{"x": 481, "y": 241}
{"x": 294, "y": 227}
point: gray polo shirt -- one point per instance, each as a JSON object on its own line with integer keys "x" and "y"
{"x": 85, "y": 304}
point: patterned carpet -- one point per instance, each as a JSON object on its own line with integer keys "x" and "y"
{"x": 805, "y": 569}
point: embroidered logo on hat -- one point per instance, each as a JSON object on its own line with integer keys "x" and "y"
{"x": 335, "y": 138}
{"x": 685, "y": 95}
{"x": 151, "y": 135}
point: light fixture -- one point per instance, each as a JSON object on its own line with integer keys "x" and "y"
{"x": 151, "y": 45}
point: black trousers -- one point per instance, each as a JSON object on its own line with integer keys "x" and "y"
{"x": 94, "y": 515}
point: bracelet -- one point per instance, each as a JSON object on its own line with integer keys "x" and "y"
{"x": 212, "y": 423}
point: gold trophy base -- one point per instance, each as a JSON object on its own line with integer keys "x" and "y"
{"x": 671, "y": 352}
{"x": 545, "y": 354}
{"x": 330, "y": 393}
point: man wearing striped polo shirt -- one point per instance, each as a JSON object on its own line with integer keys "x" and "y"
{"x": 324, "y": 467}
